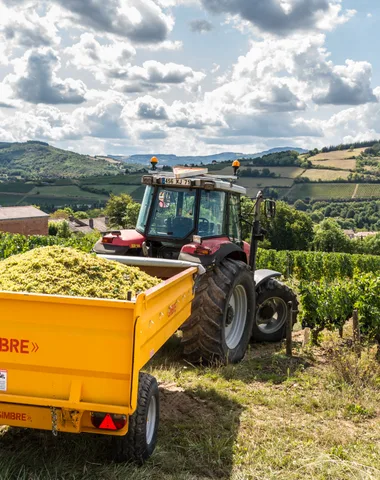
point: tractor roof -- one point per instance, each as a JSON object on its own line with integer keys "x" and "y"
{"x": 194, "y": 177}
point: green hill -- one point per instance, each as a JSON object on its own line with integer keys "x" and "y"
{"x": 38, "y": 159}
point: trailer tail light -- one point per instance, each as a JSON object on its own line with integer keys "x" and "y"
{"x": 108, "y": 421}
{"x": 107, "y": 239}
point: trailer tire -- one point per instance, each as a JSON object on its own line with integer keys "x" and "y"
{"x": 271, "y": 311}
{"x": 220, "y": 326}
{"x": 140, "y": 441}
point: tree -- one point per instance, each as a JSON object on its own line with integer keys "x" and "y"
{"x": 290, "y": 229}
{"x": 300, "y": 205}
{"x": 329, "y": 237}
{"x": 122, "y": 211}
{"x": 62, "y": 213}
{"x": 81, "y": 215}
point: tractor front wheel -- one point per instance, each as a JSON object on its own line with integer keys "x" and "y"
{"x": 220, "y": 325}
{"x": 271, "y": 311}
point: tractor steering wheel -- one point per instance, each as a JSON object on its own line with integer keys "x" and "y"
{"x": 203, "y": 224}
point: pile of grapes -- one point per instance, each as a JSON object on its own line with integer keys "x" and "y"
{"x": 65, "y": 271}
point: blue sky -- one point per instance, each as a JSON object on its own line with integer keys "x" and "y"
{"x": 189, "y": 76}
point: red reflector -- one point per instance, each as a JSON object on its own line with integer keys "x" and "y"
{"x": 202, "y": 251}
{"x": 107, "y": 423}
{"x": 107, "y": 239}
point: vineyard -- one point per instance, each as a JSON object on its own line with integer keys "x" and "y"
{"x": 330, "y": 286}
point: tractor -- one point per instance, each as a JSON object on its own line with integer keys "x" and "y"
{"x": 194, "y": 217}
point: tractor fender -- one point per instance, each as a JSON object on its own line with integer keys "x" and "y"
{"x": 220, "y": 251}
{"x": 263, "y": 275}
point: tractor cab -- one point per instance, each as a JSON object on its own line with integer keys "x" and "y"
{"x": 179, "y": 207}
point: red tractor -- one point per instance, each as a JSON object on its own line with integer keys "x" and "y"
{"x": 191, "y": 217}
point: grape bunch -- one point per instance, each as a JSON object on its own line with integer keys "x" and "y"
{"x": 59, "y": 270}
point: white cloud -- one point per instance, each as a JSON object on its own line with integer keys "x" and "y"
{"x": 105, "y": 61}
{"x": 361, "y": 122}
{"x": 36, "y": 80}
{"x": 142, "y": 21}
{"x": 23, "y": 27}
{"x": 146, "y": 108}
{"x": 155, "y": 75}
{"x": 285, "y": 17}
{"x": 348, "y": 84}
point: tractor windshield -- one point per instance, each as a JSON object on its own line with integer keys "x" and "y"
{"x": 144, "y": 210}
{"x": 172, "y": 212}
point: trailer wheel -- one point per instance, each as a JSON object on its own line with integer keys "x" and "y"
{"x": 220, "y": 325}
{"x": 140, "y": 441}
{"x": 271, "y": 311}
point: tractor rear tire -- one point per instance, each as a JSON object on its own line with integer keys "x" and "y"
{"x": 140, "y": 441}
{"x": 271, "y": 311}
{"x": 220, "y": 326}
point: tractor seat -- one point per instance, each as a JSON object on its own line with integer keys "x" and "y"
{"x": 181, "y": 226}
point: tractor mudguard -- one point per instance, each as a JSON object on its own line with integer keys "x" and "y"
{"x": 219, "y": 252}
{"x": 263, "y": 275}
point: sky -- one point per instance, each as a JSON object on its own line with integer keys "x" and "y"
{"x": 189, "y": 77}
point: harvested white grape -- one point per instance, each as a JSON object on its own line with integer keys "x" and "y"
{"x": 65, "y": 271}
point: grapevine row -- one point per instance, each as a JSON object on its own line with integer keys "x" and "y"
{"x": 328, "y": 305}
{"x": 12, "y": 244}
{"x": 317, "y": 265}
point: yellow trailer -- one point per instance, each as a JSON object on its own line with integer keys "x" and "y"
{"x": 73, "y": 364}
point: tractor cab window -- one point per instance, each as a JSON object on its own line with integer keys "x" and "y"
{"x": 144, "y": 210}
{"x": 234, "y": 231}
{"x": 173, "y": 213}
{"x": 212, "y": 214}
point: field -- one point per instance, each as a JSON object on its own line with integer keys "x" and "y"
{"x": 267, "y": 418}
{"x": 349, "y": 165}
{"x": 338, "y": 154}
{"x": 287, "y": 172}
{"x": 366, "y": 190}
{"x": 321, "y": 191}
{"x": 66, "y": 191}
{"x": 325, "y": 175}
{"x": 265, "y": 182}
{"x": 130, "y": 179}
{"x": 16, "y": 187}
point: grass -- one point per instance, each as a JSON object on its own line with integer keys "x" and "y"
{"x": 323, "y": 191}
{"x": 325, "y": 175}
{"x": 269, "y": 417}
{"x": 368, "y": 190}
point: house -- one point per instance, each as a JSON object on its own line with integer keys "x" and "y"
{"x": 25, "y": 220}
{"x": 88, "y": 225}
{"x": 361, "y": 235}
{"x": 350, "y": 234}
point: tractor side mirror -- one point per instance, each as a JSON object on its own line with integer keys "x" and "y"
{"x": 270, "y": 208}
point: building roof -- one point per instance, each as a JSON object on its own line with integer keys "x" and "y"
{"x": 19, "y": 213}
{"x": 88, "y": 225}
